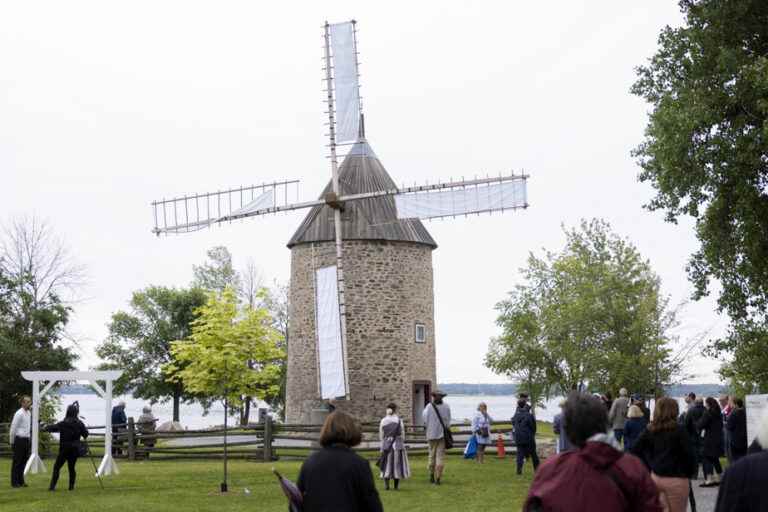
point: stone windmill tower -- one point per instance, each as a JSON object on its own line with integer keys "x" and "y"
{"x": 389, "y": 294}
{"x": 361, "y": 329}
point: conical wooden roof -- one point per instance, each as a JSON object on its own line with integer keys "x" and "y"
{"x": 366, "y": 219}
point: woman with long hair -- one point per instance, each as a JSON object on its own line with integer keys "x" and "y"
{"x": 711, "y": 424}
{"x": 335, "y": 477}
{"x": 70, "y": 430}
{"x": 481, "y": 429}
{"x": 393, "y": 462}
{"x": 665, "y": 449}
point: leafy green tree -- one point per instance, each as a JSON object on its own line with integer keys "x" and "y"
{"x": 590, "y": 315}
{"x": 747, "y": 371}
{"x": 706, "y": 153}
{"x": 139, "y": 342}
{"x": 218, "y": 272}
{"x": 232, "y": 353}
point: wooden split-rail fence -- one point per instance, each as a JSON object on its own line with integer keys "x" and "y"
{"x": 267, "y": 441}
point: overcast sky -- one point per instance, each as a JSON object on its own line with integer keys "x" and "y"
{"x": 105, "y": 106}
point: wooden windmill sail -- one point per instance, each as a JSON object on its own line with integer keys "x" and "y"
{"x": 361, "y": 202}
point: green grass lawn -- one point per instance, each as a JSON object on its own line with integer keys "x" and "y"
{"x": 192, "y": 486}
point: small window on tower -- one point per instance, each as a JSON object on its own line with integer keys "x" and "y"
{"x": 421, "y": 333}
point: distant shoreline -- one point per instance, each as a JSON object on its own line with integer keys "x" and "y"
{"x": 471, "y": 389}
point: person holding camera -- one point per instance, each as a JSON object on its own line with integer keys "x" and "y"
{"x": 70, "y": 430}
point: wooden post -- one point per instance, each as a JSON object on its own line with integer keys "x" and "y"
{"x": 131, "y": 439}
{"x": 267, "y": 438}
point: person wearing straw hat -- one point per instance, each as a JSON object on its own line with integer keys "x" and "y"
{"x": 437, "y": 418}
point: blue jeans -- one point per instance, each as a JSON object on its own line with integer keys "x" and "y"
{"x": 618, "y": 433}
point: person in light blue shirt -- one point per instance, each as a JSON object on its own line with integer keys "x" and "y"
{"x": 558, "y": 427}
{"x": 481, "y": 429}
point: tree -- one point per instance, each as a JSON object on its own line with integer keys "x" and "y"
{"x": 706, "y": 152}
{"x": 231, "y": 354}
{"x": 218, "y": 272}
{"x": 590, "y": 315}
{"x": 747, "y": 372}
{"x": 37, "y": 280}
{"x": 139, "y": 342}
{"x": 276, "y": 302}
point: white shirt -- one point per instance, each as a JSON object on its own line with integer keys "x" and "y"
{"x": 20, "y": 426}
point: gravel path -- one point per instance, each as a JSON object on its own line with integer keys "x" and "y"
{"x": 706, "y": 497}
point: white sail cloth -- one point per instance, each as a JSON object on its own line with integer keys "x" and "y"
{"x": 461, "y": 201}
{"x": 345, "y": 82}
{"x": 330, "y": 351}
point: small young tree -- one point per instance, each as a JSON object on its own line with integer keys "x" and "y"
{"x": 232, "y": 353}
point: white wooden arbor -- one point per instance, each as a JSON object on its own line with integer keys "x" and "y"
{"x": 35, "y": 464}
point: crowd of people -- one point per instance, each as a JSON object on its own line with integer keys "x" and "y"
{"x": 660, "y": 457}
{"x": 610, "y": 454}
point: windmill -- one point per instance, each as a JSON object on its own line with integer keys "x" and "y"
{"x": 360, "y": 203}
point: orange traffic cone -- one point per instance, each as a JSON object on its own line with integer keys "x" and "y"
{"x": 500, "y": 446}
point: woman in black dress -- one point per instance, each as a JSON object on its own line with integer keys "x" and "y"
{"x": 335, "y": 478}
{"x": 70, "y": 431}
{"x": 711, "y": 424}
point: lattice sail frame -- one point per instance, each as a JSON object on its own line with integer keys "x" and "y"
{"x": 430, "y": 201}
{"x": 346, "y": 127}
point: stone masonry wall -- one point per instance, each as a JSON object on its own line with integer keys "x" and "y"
{"x": 389, "y": 289}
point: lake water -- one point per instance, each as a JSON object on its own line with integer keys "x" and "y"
{"x": 500, "y": 408}
{"x": 92, "y": 408}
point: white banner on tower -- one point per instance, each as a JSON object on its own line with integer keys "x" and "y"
{"x": 330, "y": 352}
{"x": 345, "y": 82}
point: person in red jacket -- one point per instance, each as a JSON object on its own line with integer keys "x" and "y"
{"x": 596, "y": 476}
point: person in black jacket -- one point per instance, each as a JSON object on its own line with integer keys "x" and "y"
{"x": 736, "y": 425}
{"x": 692, "y": 417}
{"x": 70, "y": 431}
{"x": 745, "y": 485}
{"x": 524, "y": 430}
{"x": 711, "y": 423}
{"x": 335, "y": 478}
{"x": 666, "y": 450}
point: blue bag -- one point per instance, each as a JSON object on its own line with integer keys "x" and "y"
{"x": 471, "y": 449}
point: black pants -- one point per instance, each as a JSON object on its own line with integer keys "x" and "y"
{"x": 21, "y": 449}
{"x": 710, "y": 463}
{"x": 67, "y": 454}
{"x": 523, "y": 452}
